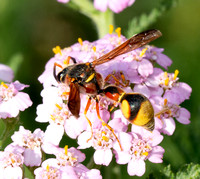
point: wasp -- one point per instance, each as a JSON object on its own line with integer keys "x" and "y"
{"x": 83, "y": 78}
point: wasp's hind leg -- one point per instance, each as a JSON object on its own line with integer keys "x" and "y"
{"x": 105, "y": 124}
{"x": 85, "y": 112}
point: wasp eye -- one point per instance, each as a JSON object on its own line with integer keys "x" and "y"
{"x": 59, "y": 77}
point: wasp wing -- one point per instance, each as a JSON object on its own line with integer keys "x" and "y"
{"x": 134, "y": 42}
{"x": 74, "y": 99}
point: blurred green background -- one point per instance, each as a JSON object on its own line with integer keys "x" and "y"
{"x": 30, "y": 29}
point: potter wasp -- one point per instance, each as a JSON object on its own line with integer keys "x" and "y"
{"x": 82, "y": 78}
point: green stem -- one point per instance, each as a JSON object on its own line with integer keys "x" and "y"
{"x": 10, "y": 124}
{"x": 102, "y": 20}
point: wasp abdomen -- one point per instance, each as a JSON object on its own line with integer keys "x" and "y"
{"x": 138, "y": 110}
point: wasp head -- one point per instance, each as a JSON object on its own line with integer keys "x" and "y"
{"x": 60, "y": 77}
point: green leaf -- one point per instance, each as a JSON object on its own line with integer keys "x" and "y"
{"x": 28, "y": 173}
{"x": 167, "y": 172}
{"x": 138, "y": 24}
{"x": 15, "y": 62}
{"x": 189, "y": 171}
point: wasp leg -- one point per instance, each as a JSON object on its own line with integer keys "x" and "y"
{"x": 105, "y": 124}
{"x": 113, "y": 106}
{"x": 54, "y": 70}
{"x": 124, "y": 83}
{"x": 85, "y": 112}
{"x": 161, "y": 112}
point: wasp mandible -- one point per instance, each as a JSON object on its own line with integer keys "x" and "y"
{"x": 82, "y": 78}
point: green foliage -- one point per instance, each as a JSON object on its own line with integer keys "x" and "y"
{"x": 138, "y": 24}
{"x": 28, "y": 173}
{"x": 15, "y": 62}
{"x": 187, "y": 171}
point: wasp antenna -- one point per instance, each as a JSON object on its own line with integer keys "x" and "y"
{"x": 73, "y": 59}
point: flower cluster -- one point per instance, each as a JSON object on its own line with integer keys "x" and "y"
{"x": 65, "y": 165}
{"x": 27, "y": 148}
{"x": 12, "y": 100}
{"x": 102, "y": 5}
{"x": 135, "y": 71}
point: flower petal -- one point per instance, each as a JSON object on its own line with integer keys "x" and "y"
{"x": 156, "y": 155}
{"x": 101, "y": 5}
{"x": 32, "y": 157}
{"x": 136, "y": 167}
{"x": 6, "y": 73}
{"x": 103, "y": 157}
{"x": 168, "y": 126}
{"x": 184, "y": 116}
{"x": 145, "y": 68}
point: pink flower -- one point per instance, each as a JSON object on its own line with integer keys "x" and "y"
{"x": 155, "y": 54}
{"x": 66, "y": 164}
{"x": 179, "y": 93}
{"x": 102, "y": 141}
{"x": 63, "y": 1}
{"x": 167, "y": 111}
{"x": 12, "y": 100}
{"x": 55, "y": 111}
{"x": 50, "y": 169}
{"x": 139, "y": 146}
{"x": 115, "y": 5}
{"x": 30, "y": 144}
{"x": 11, "y": 163}
{"x": 6, "y": 73}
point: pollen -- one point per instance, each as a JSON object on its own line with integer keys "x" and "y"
{"x": 118, "y": 31}
{"x": 52, "y": 118}
{"x": 12, "y": 161}
{"x": 103, "y": 132}
{"x": 165, "y": 102}
{"x": 80, "y": 41}
{"x": 58, "y": 106}
{"x": 105, "y": 138}
{"x": 47, "y": 168}
{"x": 65, "y": 93}
{"x": 4, "y": 85}
{"x": 165, "y": 74}
{"x": 167, "y": 82}
{"x": 66, "y": 149}
{"x": 99, "y": 143}
{"x": 145, "y": 153}
{"x": 175, "y": 74}
{"x": 143, "y": 52}
{"x": 94, "y": 48}
{"x": 66, "y": 61}
{"x": 111, "y": 28}
{"x": 57, "y": 50}
{"x": 136, "y": 152}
